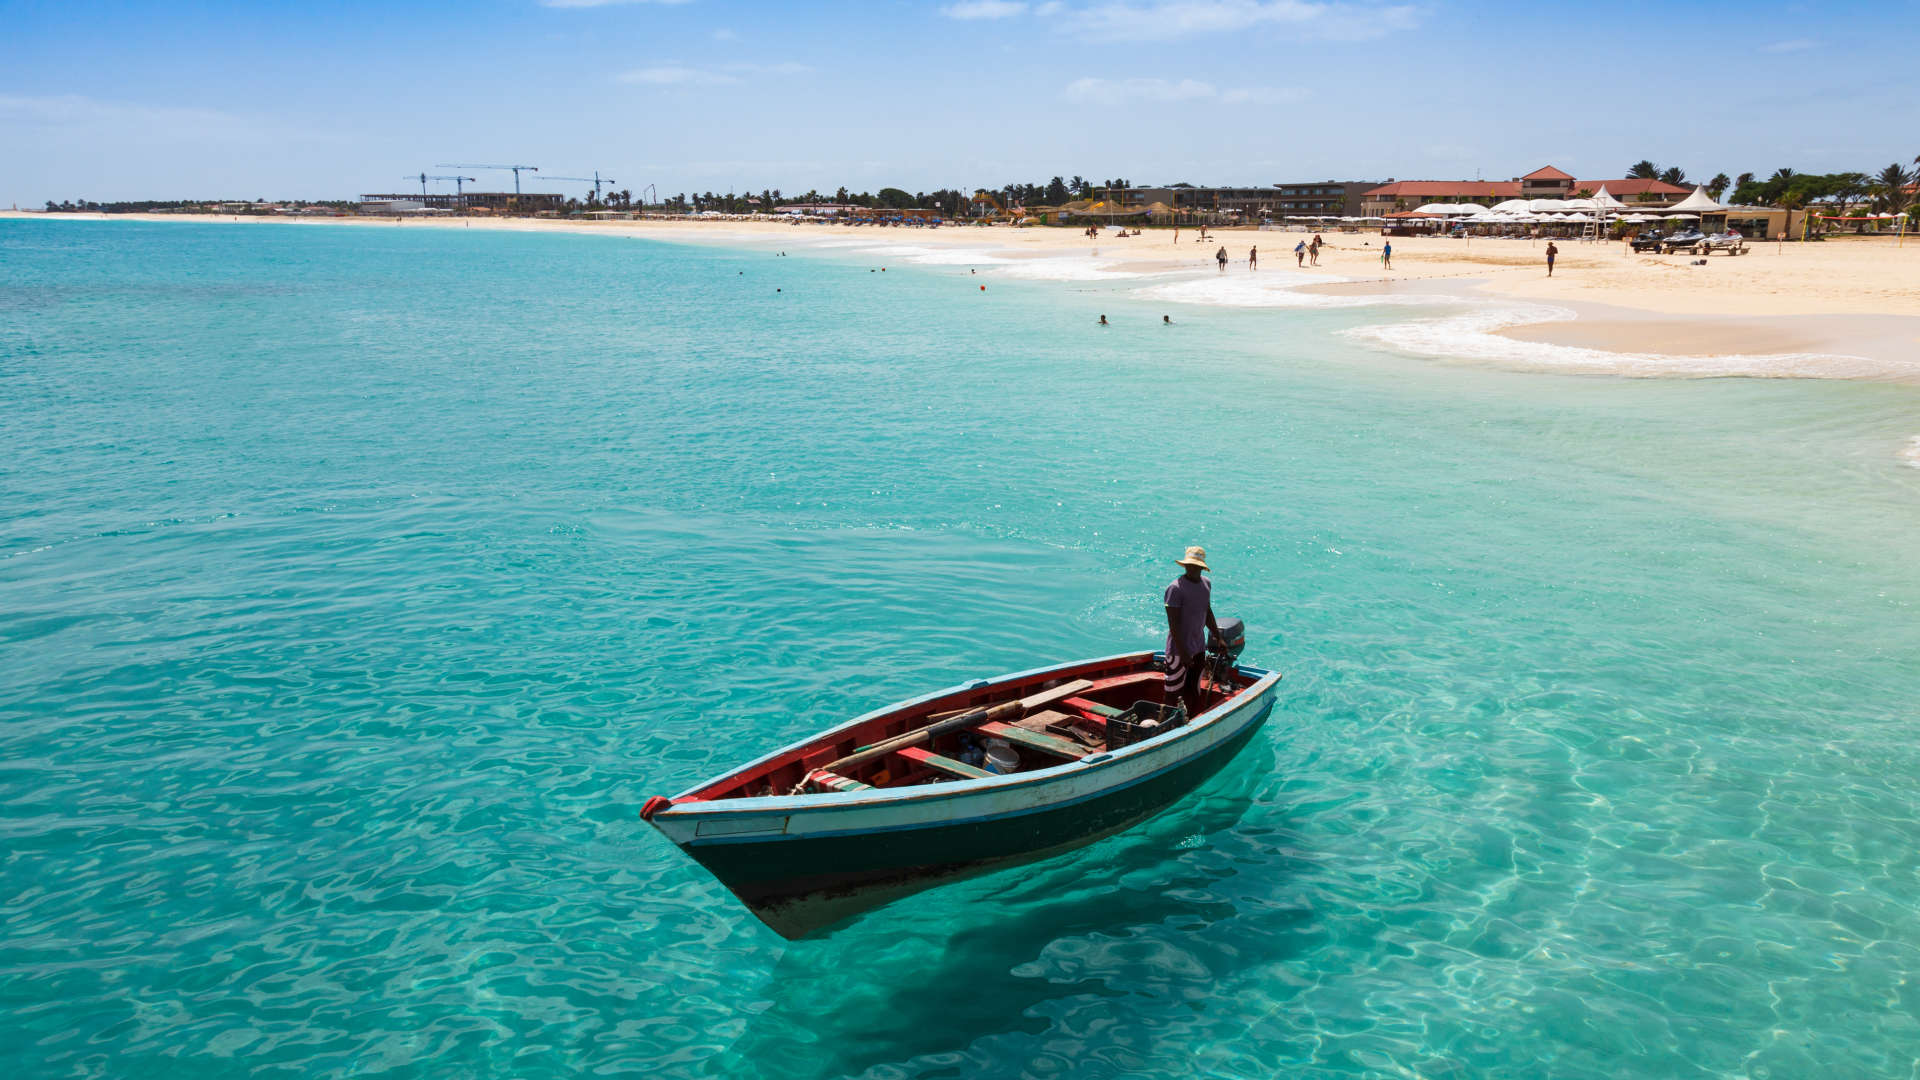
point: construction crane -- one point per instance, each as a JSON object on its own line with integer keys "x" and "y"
{"x": 517, "y": 170}
{"x": 595, "y": 180}
{"x": 457, "y": 181}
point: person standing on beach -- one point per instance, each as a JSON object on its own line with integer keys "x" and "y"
{"x": 1253, "y": 258}
{"x": 1551, "y": 252}
{"x": 1221, "y": 257}
{"x": 1313, "y": 250}
{"x": 1386, "y": 254}
{"x": 1300, "y": 253}
{"x": 1189, "y": 602}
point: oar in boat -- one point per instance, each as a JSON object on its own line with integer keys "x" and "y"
{"x": 966, "y": 719}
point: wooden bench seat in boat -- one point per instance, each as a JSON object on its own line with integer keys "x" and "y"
{"x": 1093, "y": 708}
{"x": 1035, "y": 740}
{"x": 835, "y": 782}
{"x": 941, "y": 763}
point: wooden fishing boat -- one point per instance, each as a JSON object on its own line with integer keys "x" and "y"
{"x": 965, "y": 780}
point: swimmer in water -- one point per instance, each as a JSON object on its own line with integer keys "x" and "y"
{"x": 1103, "y": 320}
{"x": 1166, "y": 320}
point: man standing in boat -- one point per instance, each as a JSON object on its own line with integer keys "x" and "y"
{"x": 1189, "y": 603}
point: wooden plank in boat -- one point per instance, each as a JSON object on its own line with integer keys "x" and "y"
{"x": 1104, "y": 712}
{"x": 1006, "y": 710}
{"x": 1136, "y": 678}
{"x": 1034, "y": 740}
{"x": 1032, "y": 701}
{"x": 942, "y": 763}
{"x": 835, "y": 782}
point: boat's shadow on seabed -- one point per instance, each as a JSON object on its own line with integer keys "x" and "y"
{"x": 934, "y": 973}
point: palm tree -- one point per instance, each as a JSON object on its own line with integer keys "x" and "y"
{"x": 1717, "y": 185}
{"x": 1644, "y": 170}
{"x": 1675, "y": 176}
{"x": 1891, "y": 188}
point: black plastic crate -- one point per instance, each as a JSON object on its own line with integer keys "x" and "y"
{"x": 1130, "y": 726}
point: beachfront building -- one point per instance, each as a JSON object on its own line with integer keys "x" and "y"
{"x": 1312, "y": 199}
{"x": 817, "y": 209}
{"x": 1547, "y": 183}
{"x": 498, "y": 202}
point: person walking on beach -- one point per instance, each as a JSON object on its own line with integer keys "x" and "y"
{"x": 1386, "y": 254}
{"x": 1189, "y": 602}
{"x": 1313, "y": 250}
{"x": 1300, "y": 253}
{"x": 1551, "y": 253}
{"x": 1221, "y": 257}
{"x": 1253, "y": 258}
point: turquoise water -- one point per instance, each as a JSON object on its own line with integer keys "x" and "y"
{"x": 357, "y": 585}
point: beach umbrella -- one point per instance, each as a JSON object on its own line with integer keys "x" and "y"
{"x": 1578, "y": 204}
{"x": 1543, "y": 206}
{"x": 1681, "y": 217}
{"x": 1512, "y": 206}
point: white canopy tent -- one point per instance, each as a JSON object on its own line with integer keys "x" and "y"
{"x": 1512, "y": 206}
{"x": 1697, "y": 203}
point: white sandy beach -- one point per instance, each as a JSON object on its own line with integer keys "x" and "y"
{"x": 1843, "y": 308}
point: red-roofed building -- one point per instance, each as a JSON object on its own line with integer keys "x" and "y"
{"x": 1545, "y": 183}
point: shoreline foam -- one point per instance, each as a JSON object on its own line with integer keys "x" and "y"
{"x": 1501, "y": 281}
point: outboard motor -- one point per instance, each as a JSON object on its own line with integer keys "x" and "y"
{"x": 1223, "y": 650}
{"x": 1230, "y": 641}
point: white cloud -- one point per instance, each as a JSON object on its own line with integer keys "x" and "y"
{"x": 146, "y": 123}
{"x": 984, "y": 9}
{"x": 1116, "y": 91}
{"x": 674, "y": 73}
{"x": 787, "y": 67}
{"x": 601, "y": 3}
{"x": 1146, "y": 91}
{"x": 1794, "y": 45}
{"x": 1162, "y": 19}
{"x": 1263, "y": 95}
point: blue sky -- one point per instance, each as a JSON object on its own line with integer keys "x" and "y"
{"x": 164, "y": 100}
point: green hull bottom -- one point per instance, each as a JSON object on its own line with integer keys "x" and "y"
{"x": 798, "y": 885}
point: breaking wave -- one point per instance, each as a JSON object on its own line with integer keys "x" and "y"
{"x": 1474, "y": 336}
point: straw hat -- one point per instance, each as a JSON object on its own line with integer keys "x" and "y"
{"x": 1196, "y": 556}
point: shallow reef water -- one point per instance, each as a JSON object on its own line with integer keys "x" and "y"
{"x": 357, "y": 585}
